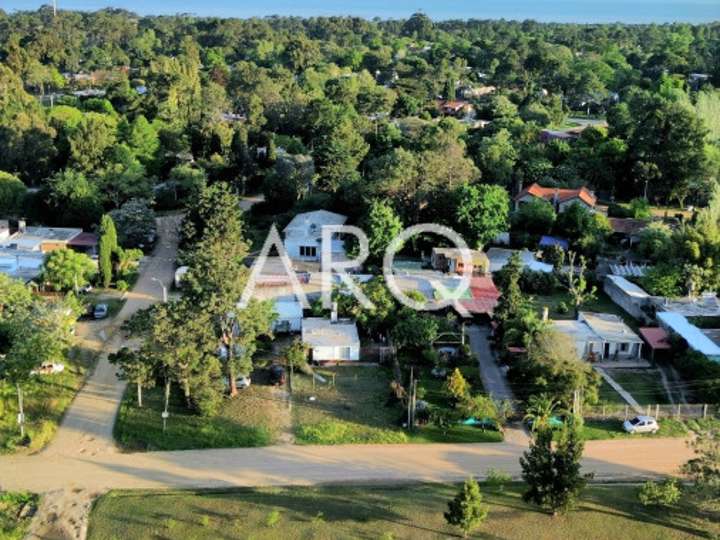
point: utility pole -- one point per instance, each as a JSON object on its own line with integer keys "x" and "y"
{"x": 409, "y": 398}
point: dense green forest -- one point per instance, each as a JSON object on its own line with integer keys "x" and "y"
{"x": 343, "y": 111}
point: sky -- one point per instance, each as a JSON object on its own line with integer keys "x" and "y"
{"x": 630, "y": 11}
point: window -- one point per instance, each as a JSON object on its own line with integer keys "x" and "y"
{"x": 624, "y": 347}
{"x": 345, "y": 353}
{"x": 308, "y": 251}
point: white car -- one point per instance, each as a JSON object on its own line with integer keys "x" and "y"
{"x": 49, "y": 368}
{"x": 641, "y": 424}
{"x": 240, "y": 382}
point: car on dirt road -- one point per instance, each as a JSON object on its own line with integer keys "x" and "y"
{"x": 641, "y": 424}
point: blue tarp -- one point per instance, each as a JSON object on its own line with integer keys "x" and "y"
{"x": 547, "y": 241}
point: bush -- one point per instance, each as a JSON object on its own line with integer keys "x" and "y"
{"x": 695, "y": 366}
{"x": 497, "y": 479}
{"x": 538, "y": 282}
{"x": 272, "y": 519}
{"x": 665, "y": 493}
{"x": 122, "y": 285}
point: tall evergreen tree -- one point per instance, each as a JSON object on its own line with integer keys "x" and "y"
{"x": 108, "y": 246}
{"x": 552, "y": 475}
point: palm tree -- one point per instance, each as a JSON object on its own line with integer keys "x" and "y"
{"x": 541, "y": 408}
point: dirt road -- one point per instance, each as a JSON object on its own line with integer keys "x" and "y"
{"x": 87, "y": 426}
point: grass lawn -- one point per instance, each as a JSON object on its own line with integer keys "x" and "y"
{"x": 254, "y": 418}
{"x": 16, "y": 510}
{"x": 355, "y": 409}
{"x": 46, "y": 398}
{"x": 397, "y": 512}
{"x": 645, "y": 385}
{"x": 358, "y": 409}
{"x": 608, "y": 394}
{"x": 612, "y": 428}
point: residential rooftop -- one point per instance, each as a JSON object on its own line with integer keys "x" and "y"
{"x": 321, "y": 332}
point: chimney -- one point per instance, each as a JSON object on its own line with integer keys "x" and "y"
{"x": 22, "y": 226}
{"x": 546, "y": 313}
{"x": 4, "y": 229}
{"x": 334, "y": 313}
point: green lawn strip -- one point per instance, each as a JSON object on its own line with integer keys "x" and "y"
{"x": 595, "y": 429}
{"x": 16, "y": 511}
{"x": 413, "y": 511}
{"x": 354, "y": 407}
{"x": 251, "y": 419}
{"x": 609, "y": 395}
{"x": 46, "y": 399}
{"x": 645, "y": 385}
{"x": 358, "y": 409}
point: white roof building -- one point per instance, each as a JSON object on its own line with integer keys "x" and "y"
{"x": 331, "y": 340}
{"x": 696, "y": 339}
{"x": 602, "y": 335}
{"x": 303, "y": 235}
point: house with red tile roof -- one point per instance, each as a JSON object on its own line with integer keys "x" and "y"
{"x": 560, "y": 198}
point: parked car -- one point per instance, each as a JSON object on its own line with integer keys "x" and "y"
{"x": 641, "y": 424}
{"x": 100, "y": 311}
{"x": 48, "y": 368}
{"x": 241, "y": 382}
{"x": 277, "y": 374}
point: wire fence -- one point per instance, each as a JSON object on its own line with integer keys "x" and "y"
{"x": 680, "y": 411}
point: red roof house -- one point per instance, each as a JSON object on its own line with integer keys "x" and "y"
{"x": 484, "y": 296}
{"x": 560, "y": 198}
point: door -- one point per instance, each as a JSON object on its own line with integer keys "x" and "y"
{"x": 606, "y": 350}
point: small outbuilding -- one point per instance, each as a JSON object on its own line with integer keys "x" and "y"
{"x": 331, "y": 340}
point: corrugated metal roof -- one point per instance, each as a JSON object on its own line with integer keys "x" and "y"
{"x": 698, "y": 341}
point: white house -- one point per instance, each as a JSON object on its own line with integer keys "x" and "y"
{"x": 601, "y": 336}
{"x": 331, "y": 340}
{"x": 290, "y": 316}
{"x": 303, "y": 235}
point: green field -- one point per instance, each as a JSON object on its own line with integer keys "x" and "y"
{"x": 358, "y": 408}
{"x": 397, "y": 512}
{"x": 254, "y": 418}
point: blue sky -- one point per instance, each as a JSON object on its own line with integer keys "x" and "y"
{"x": 544, "y": 10}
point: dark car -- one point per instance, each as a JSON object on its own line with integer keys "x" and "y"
{"x": 277, "y": 374}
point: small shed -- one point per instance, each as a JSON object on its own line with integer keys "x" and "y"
{"x": 627, "y": 295}
{"x": 656, "y": 340}
{"x": 331, "y": 340}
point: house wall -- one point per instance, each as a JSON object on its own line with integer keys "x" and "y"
{"x": 633, "y": 352}
{"x": 322, "y": 354}
{"x": 292, "y": 246}
{"x": 630, "y": 304}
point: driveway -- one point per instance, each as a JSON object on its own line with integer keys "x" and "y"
{"x": 86, "y": 429}
{"x": 493, "y": 377}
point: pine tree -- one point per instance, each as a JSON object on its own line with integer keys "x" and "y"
{"x": 108, "y": 246}
{"x": 467, "y": 511}
{"x": 553, "y": 476}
